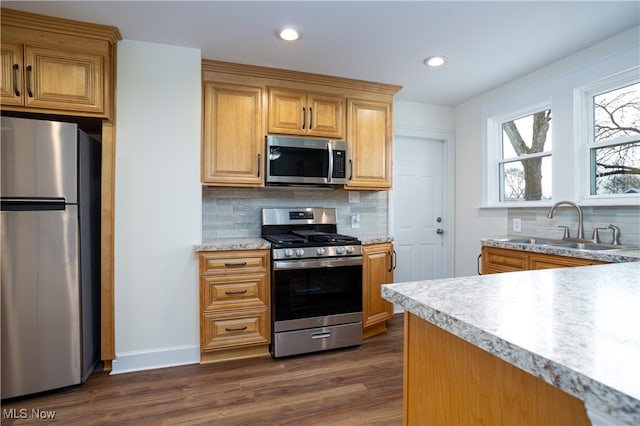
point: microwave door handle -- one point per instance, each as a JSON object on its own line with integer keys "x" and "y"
{"x": 330, "y": 171}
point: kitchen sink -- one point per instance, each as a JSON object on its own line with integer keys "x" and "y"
{"x": 585, "y": 246}
{"x": 524, "y": 240}
{"x": 576, "y": 245}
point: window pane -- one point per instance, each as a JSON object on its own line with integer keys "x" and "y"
{"x": 617, "y": 169}
{"x": 526, "y": 180}
{"x": 527, "y": 135}
{"x": 617, "y": 113}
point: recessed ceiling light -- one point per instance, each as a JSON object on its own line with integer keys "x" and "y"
{"x": 288, "y": 34}
{"x": 435, "y": 61}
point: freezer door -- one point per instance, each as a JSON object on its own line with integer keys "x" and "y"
{"x": 39, "y": 159}
{"x": 40, "y": 301}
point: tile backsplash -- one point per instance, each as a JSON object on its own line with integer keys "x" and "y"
{"x": 229, "y": 213}
{"x": 535, "y": 222}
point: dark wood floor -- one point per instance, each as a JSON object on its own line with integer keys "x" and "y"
{"x": 353, "y": 386}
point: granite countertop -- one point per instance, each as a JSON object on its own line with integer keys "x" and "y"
{"x": 257, "y": 243}
{"x": 575, "y": 328}
{"x": 616, "y": 255}
{"x": 221, "y": 244}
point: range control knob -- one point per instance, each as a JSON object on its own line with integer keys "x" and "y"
{"x": 350, "y": 249}
{"x": 339, "y": 250}
{"x": 288, "y": 253}
{"x": 320, "y": 251}
{"x": 299, "y": 252}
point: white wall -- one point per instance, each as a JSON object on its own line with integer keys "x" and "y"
{"x": 415, "y": 115}
{"x": 555, "y": 82}
{"x": 158, "y": 201}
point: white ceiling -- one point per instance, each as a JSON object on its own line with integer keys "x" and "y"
{"x": 487, "y": 43}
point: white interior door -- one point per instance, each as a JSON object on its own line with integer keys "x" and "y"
{"x": 418, "y": 219}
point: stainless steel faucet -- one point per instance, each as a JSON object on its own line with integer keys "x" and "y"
{"x": 577, "y": 207}
{"x": 616, "y": 234}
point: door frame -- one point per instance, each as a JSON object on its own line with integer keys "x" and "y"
{"x": 448, "y": 187}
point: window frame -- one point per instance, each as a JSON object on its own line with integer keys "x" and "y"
{"x": 495, "y": 188}
{"x": 585, "y": 135}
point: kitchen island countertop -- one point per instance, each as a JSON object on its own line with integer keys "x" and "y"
{"x": 575, "y": 328}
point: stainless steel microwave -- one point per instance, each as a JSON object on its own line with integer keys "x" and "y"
{"x": 306, "y": 161}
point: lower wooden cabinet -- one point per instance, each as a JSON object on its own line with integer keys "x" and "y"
{"x": 377, "y": 268}
{"x": 448, "y": 381}
{"x": 496, "y": 260}
{"x": 235, "y": 317}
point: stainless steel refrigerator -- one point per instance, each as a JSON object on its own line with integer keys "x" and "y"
{"x": 50, "y": 255}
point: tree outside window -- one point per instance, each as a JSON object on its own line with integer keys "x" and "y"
{"x": 525, "y": 168}
{"x": 615, "y": 151}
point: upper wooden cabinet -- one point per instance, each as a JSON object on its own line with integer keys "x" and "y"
{"x": 369, "y": 138}
{"x": 244, "y": 103}
{"x": 57, "y": 66}
{"x": 309, "y": 114}
{"x": 233, "y": 135}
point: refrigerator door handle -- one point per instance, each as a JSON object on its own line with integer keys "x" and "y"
{"x": 32, "y": 203}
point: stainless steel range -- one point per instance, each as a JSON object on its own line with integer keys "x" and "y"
{"x": 316, "y": 281}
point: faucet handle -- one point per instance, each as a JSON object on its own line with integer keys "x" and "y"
{"x": 616, "y": 234}
{"x": 596, "y": 235}
{"x": 565, "y": 234}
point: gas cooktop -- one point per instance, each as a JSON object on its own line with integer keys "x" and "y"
{"x": 292, "y": 230}
{"x": 308, "y": 238}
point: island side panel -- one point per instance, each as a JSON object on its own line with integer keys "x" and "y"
{"x": 450, "y": 381}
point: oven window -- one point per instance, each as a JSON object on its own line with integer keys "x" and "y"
{"x": 300, "y": 162}
{"x": 306, "y": 293}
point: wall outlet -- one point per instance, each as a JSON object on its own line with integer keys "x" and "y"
{"x": 517, "y": 224}
{"x": 355, "y": 220}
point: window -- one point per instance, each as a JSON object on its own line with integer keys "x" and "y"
{"x": 525, "y": 163}
{"x": 614, "y": 136}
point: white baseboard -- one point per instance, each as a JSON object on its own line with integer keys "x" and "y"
{"x": 128, "y": 362}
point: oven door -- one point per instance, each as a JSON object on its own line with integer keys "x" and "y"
{"x": 312, "y": 293}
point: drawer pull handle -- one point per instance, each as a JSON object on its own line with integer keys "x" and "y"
{"x": 235, "y": 265}
{"x": 230, "y": 293}
{"x": 321, "y": 335}
{"x": 230, "y": 329}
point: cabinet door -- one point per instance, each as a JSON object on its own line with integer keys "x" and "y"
{"x": 287, "y": 112}
{"x": 369, "y": 137}
{"x": 58, "y": 79}
{"x": 377, "y": 270}
{"x": 306, "y": 114}
{"x": 232, "y": 145}
{"x": 326, "y": 115}
{"x": 11, "y": 85}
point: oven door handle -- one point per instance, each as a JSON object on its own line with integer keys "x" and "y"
{"x": 317, "y": 263}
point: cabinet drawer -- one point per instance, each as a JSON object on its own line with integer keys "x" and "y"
{"x": 235, "y": 328}
{"x": 503, "y": 260}
{"x": 542, "y": 261}
{"x": 234, "y": 291}
{"x": 237, "y": 262}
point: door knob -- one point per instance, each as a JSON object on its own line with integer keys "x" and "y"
{"x": 439, "y": 231}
